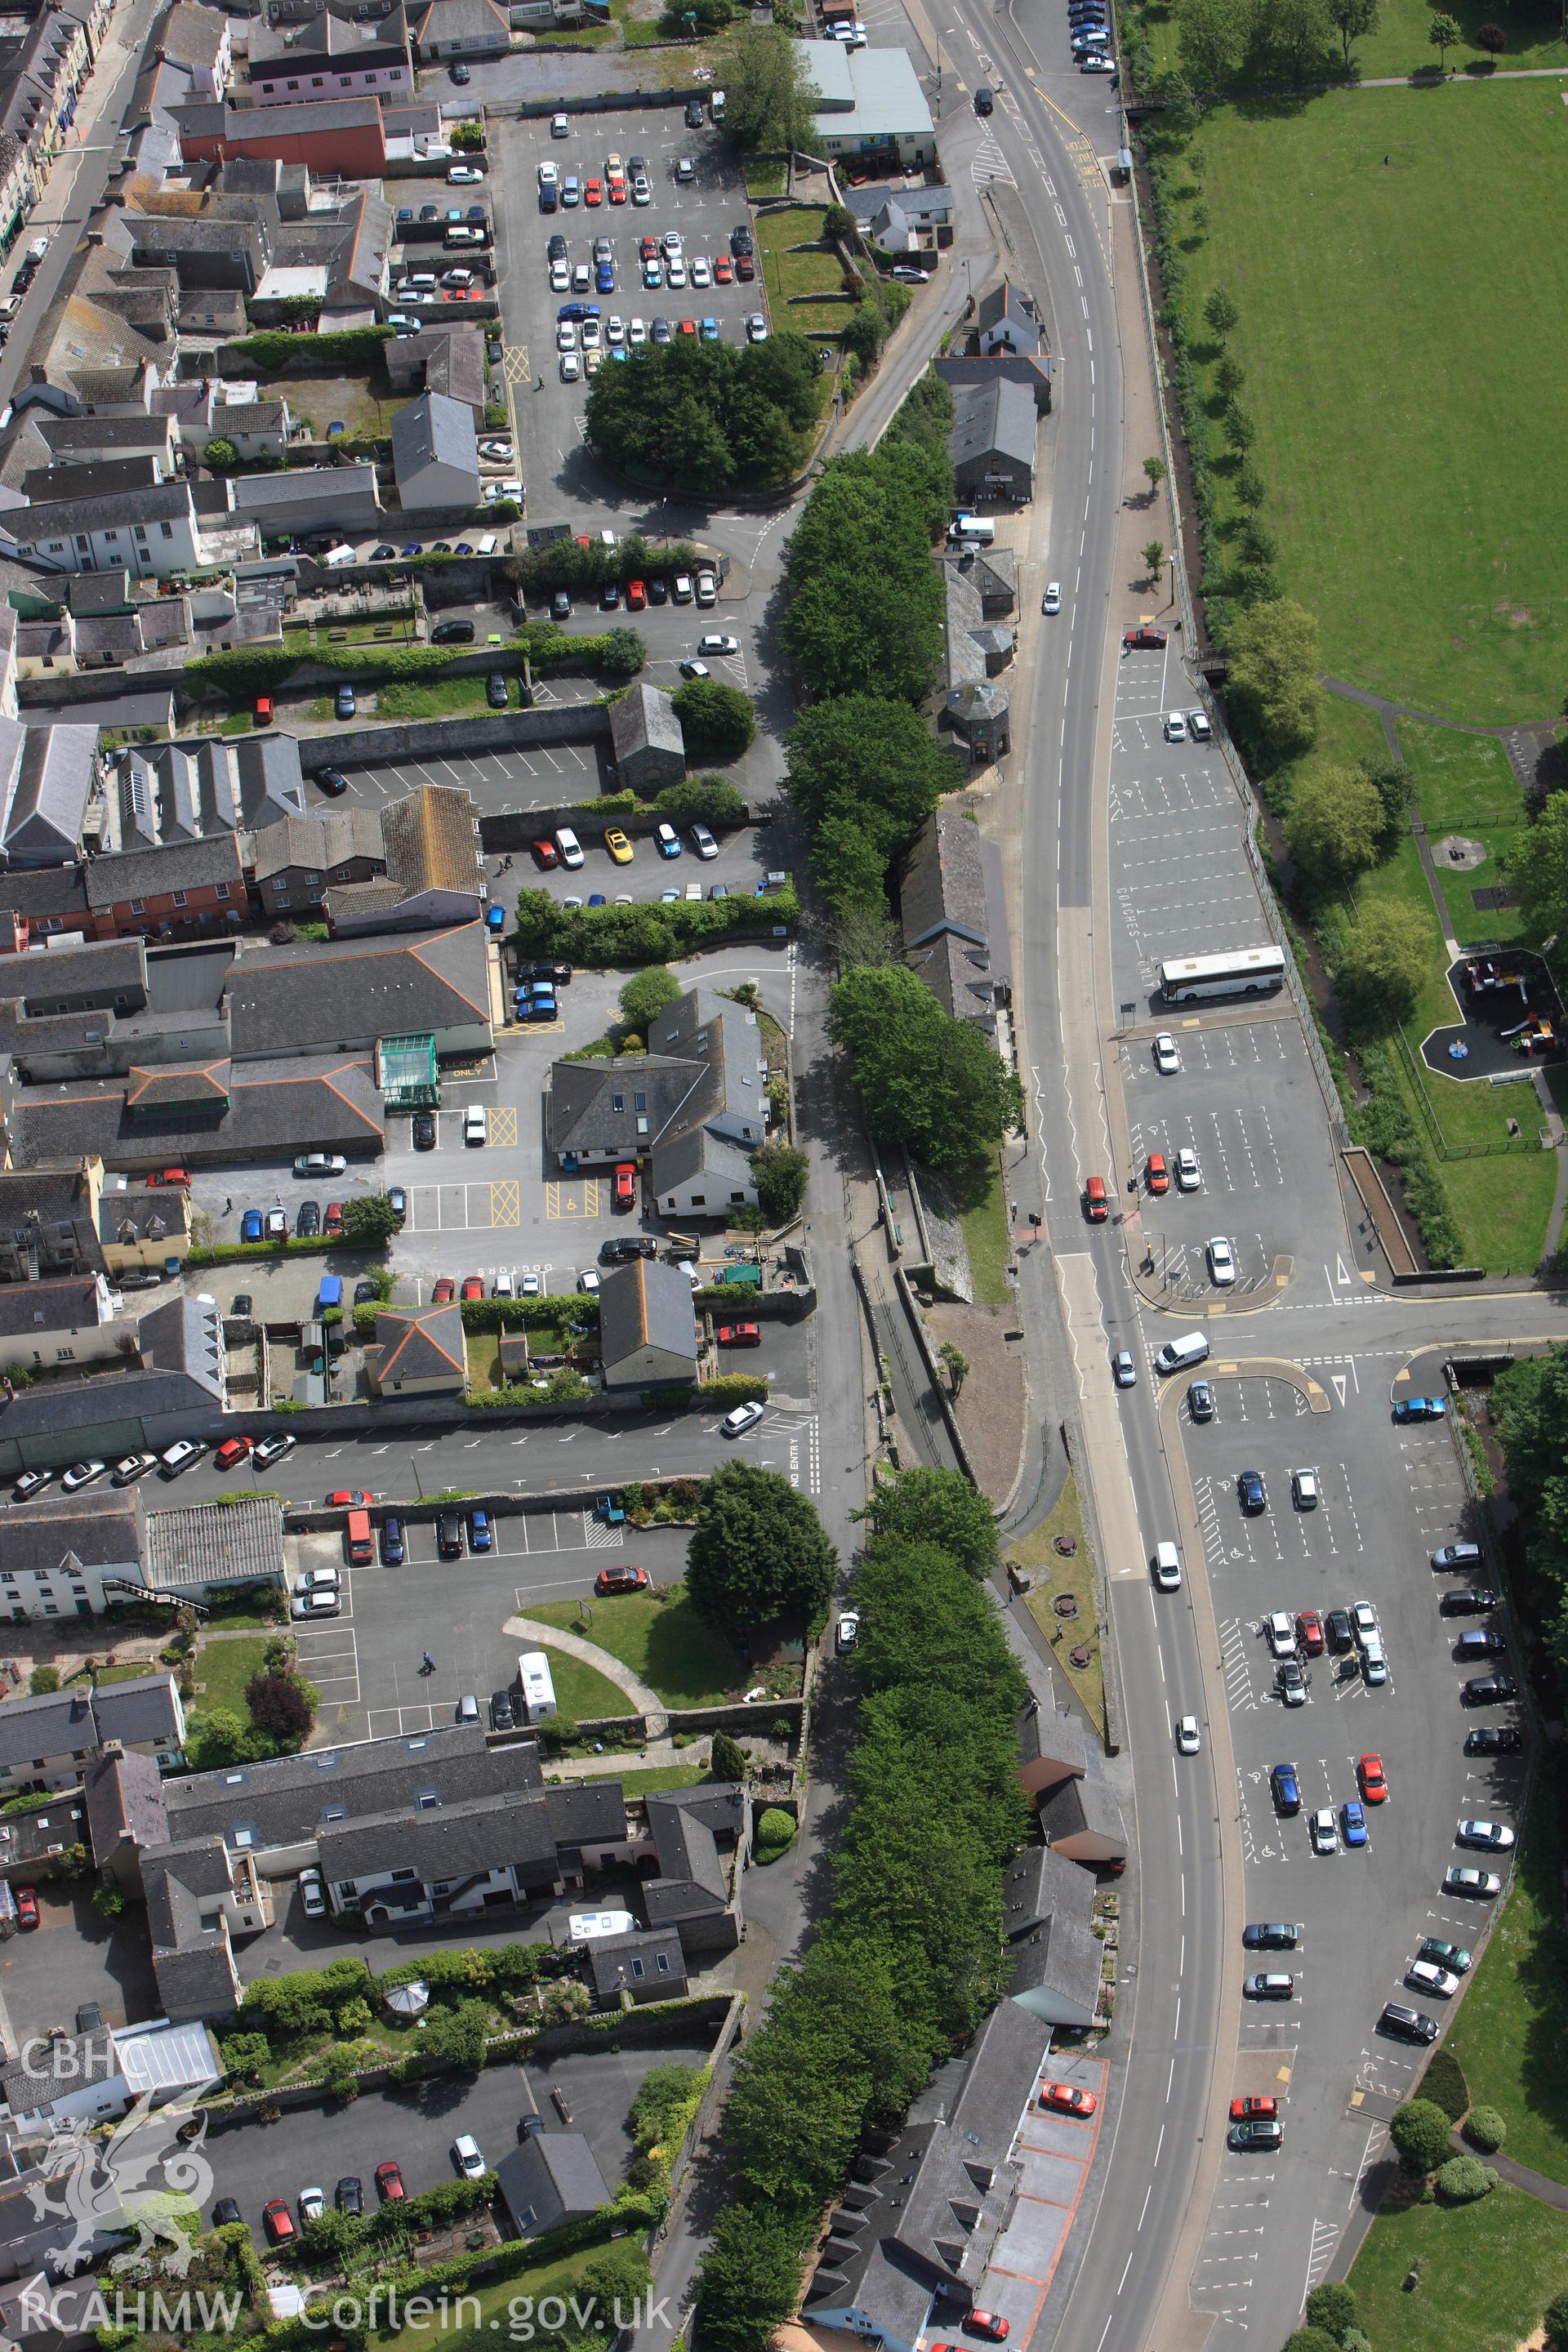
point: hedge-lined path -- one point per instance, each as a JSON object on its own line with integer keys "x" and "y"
{"x": 1518, "y": 2176}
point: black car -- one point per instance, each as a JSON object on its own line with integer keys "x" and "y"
{"x": 1406, "y": 2024}
{"x": 1494, "y": 1739}
{"x": 90, "y": 2018}
{"x": 627, "y": 1245}
{"x": 1200, "y": 1400}
{"x": 449, "y": 1535}
{"x": 1293, "y": 1682}
{"x": 308, "y": 1223}
{"x": 694, "y": 114}
{"x": 610, "y": 596}
{"x": 225, "y": 2213}
{"x": 1488, "y": 1690}
{"x": 1270, "y": 1935}
{"x": 460, "y": 75}
{"x": 351, "y": 2194}
{"x": 244, "y": 1305}
{"x": 1262, "y": 2131}
{"x": 346, "y": 705}
{"x": 1466, "y": 1600}
{"x": 1285, "y": 1786}
{"x": 424, "y": 1130}
{"x": 392, "y": 1549}
{"x": 386, "y": 551}
{"x": 1337, "y": 1626}
{"x": 333, "y": 783}
{"x": 365, "y": 1292}
{"x": 559, "y": 974}
{"x": 1249, "y": 1490}
{"x": 452, "y": 633}
{"x": 556, "y": 248}
{"x": 659, "y": 591}
{"x": 399, "y": 1200}
{"x": 503, "y": 1714}
{"x": 560, "y": 604}
{"x": 1480, "y": 1642}
{"x": 429, "y": 211}
{"x": 495, "y": 690}
{"x": 740, "y": 240}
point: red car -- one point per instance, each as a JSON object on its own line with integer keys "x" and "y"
{"x": 688, "y": 326}
{"x": 171, "y": 1176}
{"x": 618, "y": 192}
{"x": 988, "y": 2324}
{"x": 278, "y": 2221}
{"x": 1373, "y": 1777}
{"x": 1254, "y": 2111}
{"x": 621, "y": 1580}
{"x": 232, "y": 1450}
{"x": 333, "y": 1223}
{"x": 473, "y": 1286}
{"x": 745, "y": 267}
{"x": 389, "y": 2183}
{"x": 1096, "y": 1207}
{"x": 1142, "y": 637}
{"x": 1159, "y": 1172}
{"x": 263, "y": 710}
{"x": 625, "y": 1184}
{"x": 648, "y": 248}
{"x": 1309, "y": 1633}
{"x": 1066, "y": 2099}
{"x": 593, "y": 192}
{"x": 741, "y": 1334}
{"x": 724, "y": 270}
{"x": 446, "y": 1291}
{"x": 544, "y": 855}
{"x": 27, "y": 1907}
{"x": 636, "y": 595}
{"x": 348, "y": 1498}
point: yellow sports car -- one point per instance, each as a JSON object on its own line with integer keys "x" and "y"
{"x": 619, "y": 847}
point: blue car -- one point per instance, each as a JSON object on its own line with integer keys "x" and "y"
{"x": 1352, "y": 1820}
{"x": 1249, "y": 1488}
{"x": 250, "y": 1227}
{"x": 479, "y": 1531}
{"x": 604, "y": 279}
{"x": 596, "y": 899}
{"x": 405, "y": 213}
{"x": 709, "y": 329}
{"x": 495, "y": 919}
{"x": 1421, "y": 1409}
{"x": 1286, "y": 1786}
{"x": 412, "y": 548}
{"x": 391, "y": 1551}
{"x": 539, "y": 1008}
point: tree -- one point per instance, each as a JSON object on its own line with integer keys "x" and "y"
{"x": 876, "y": 763}
{"x": 370, "y": 1220}
{"x": 1272, "y": 690}
{"x": 1154, "y": 557}
{"x": 770, "y": 99}
{"x": 220, "y": 452}
{"x": 839, "y": 225}
{"x": 1491, "y": 38}
{"x": 1443, "y": 32}
{"x": 938, "y": 1508}
{"x": 757, "y": 1551}
{"x": 1220, "y": 314}
{"x": 779, "y": 1172}
{"x": 1297, "y": 33}
{"x": 1537, "y": 868}
{"x": 220, "y": 1738}
{"x": 955, "y": 1365}
{"x": 1212, "y": 37}
{"x": 283, "y": 1706}
{"x": 727, "y": 1759}
{"x": 862, "y": 549}
{"x": 539, "y": 919}
{"x": 751, "y": 2275}
{"x": 458, "y": 2034}
{"x": 1310, "y": 2339}
{"x": 1419, "y": 2130}
{"x": 645, "y": 995}
{"x": 1555, "y": 2321}
{"x": 1154, "y": 467}
{"x": 1239, "y": 426}
{"x": 1486, "y": 2128}
{"x": 926, "y": 1080}
{"x": 1383, "y": 963}
{"x": 1249, "y": 485}
{"x": 42, "y": 1679}
{"x": 1229, "y": 377}
{"x": 1336, "y": 823}
{"x": 244, "y": 2055}
{"x": 1331, "y": 2307}
{"x": 1463, "y": 2179}
{"x": 1352, "y": 20}
{"x": 711, "y": 800}
{"x": 717, "y": 720}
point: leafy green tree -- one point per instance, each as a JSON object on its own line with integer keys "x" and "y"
{"x": 1229, "y": 375}
{"x": 1297, "y": 33}
{"x": 1352, "y": 20}
{"x": 1555, "y": 2321}
{"x": 244, "y": 2055}
{"x": 770, "y": 98}
{"x": 926, "y": 1080}
{"x": 458, "y": 2034}
{"x": 709, "y": 800}
{"x": 727, "y": 1759}
{"x": 1336, "y": 823}
{"x": 1537, "y": 868}
{"x": 864, "y": 332}
{"x": 1239, "y": 426}
{"x": 1382, "y": 963}
{"x": 538, "y": 921}
{"x": 42, "y": 1679}
{"x": 779, "y": 1172}
{"x": 1250, "y": 490}
{"x": 866, "y": 601}
{"x": 717, "y": 720}
{"x": 1154, "y": 469}
{"x": 369, "y": 1220}
{"x": 1212, "y": 36}
{"x": 1220, "y": 314}
{"x": 1272, "y": 691}
{"x": 221, "y": 1739}
{"x": 1443, "y": 32}
{"x": 1486, "y": 2128}
{"x": 873, "y": 763}
{"x": 757, "y": 1551}
{"x": 1331, "y": 2307}
{"x": 1419, "y": 2131}
{"x": 1463, "y": 2181}
{"x": 645, "y": 996}
{"x": 938, "y": 1507}
{"x": 1154, "y": 557}
{"x": 750, "y": 2275}
{"x": 1310, "y": 2339}
{"x": 220, "y": 452}
{"x": 955, "y": 1364}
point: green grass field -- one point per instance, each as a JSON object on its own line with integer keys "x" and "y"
{"x": 668, "y": 1648}
{"x": 1508, "y": 2035}
{"x": 983, "y": 1214}
{"x": 1464, "y": 784}
{"x": 1403, "y": 327}
{"x": 223, "y": 1670}
{"x": 1398, "y": 44}
{"x": 1488, "y": 2272}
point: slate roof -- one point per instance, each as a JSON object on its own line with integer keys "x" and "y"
{"x": 432, "y": 838}
{"x": 350, "y": 487}
{"x": 611, "y": 1959}
{"x": 311, "y": 1103}
{"x": 59, "y": 518}
{"x": 141, "y": 1713}
{"x": 283, "y": 1801}
{"x": 302, "y": 996}
{"x": 92, "y": 2058}
{"x": 551, "y": 2175}
{"x": 1076, "y": 1806}
{"x": 219, "y": 1543}
{"x": 692, "y": 1880}
{"x": 72, "y": 438}
{"x": 124, "y": 1796}
{"x": 420, "y": 1343}
{"x": 433, "y": 430}
{"x": 64, "y": 1303}
{"x": 54, "y": 779}
{"x": 1031, "y": 369}
{"x": 57, "y": 890}
{"x": 315, "y": 844}
{"x": 511, "y": 1831}
{"x": 115, "y": 879}
{"x": 96, "y": 1530}
{"x": 646, "y": 1305}
{"x": 76, "y": 1721}
{"x": 701, "y": 1064}
{"x": 1053, "y": 1734}
{"x": 999, "y": 417}
{"x": 1059, "y": 1962}
{"x": 945, "y": 925}
{"x": 53, "y": 1203}
{"x": 1039, "y": 1881}
{"x": 644, "y": 719}
{"x": 725, "y": 1165}
{"x": 192, "y": 36}
{"x": 93, "y": 970}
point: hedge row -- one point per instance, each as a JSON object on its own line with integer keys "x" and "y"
{"x": 271, "y": 352}
{"x": 236, "y": 1253}
{"x": 1184, "y": 376}
{"x": 567, "y": 564}
{"x": 647, "y": 933}
{"x": 243, "y": 672}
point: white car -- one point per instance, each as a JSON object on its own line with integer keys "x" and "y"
{"x": 321, "y": 1163}
{"x": 1051, "y": 602}
{"x": 1374, "y": 1659}
{"x": 317, "y": 1580}
{"x": 503, "y": 1286}
{"x": 674, "y": 270}
{"x": 702, "y": 275}
{"x": 848, "y": 1629}
{"x": 569, "y": 847}
{"x": 1279, "y": 1630}
{"x": 615, "y": 330}
{"x": 529, "y": 1287}
{"x": 560, "y": 126}
{"x": 566, "y": 335}
{"x": 181, "y": 1454}
{"x": 1167, "y": 1059}
{"x": 549, "y": 177}
{"x": 638, "y": 331}
{"x": 673, "y": 241}
{"x": 1176, "y": 726}
{"x": 476, "y": 1125}
{"x": 570, "y": 367}
{"x": 1222, "y": 1263}
{"x": 312, "y": 2204}
{"x": 591, "y": 338}
{"x": 463, "y": 175}
{"x": 82, "y": 1474}
{"x": 588, "y": 1280}
{"x": 313, "y": 1895}
{"x": 1187, "y": 1741}
{"x": 1189, "y": 1175}
{"x": 1325, "y": 1831}
{"x": 717, "y": 642}
{"x": 1495, "y": 1836}
{"x": 466, "y": 2156}
{"x": 500, "y": 453}
{"x": 1123, "y": 1369}
{"x": 1363, "y": 1621}
{"x": 744, "y": 1417}
{"x": 704, "y": 842}
{"x": 1304, "y": 1489}
{"x": 756, "y": 327}
{"x": 561, "y": 277}
{"x": 1198, "y": 727}
{"x": 310, "y": 1605}
{"x": 1425, "y": 1976}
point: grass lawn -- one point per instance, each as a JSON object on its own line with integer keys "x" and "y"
{"x": 1464, "y": 784}
{"x": 1508, "y": 2035}
{"x": 667, "y": 1647}
{"x": 983, "y": 1214}
{"x": 455, "y": 2319}
{"x": 1488, "y": 2272}
{"x": 785, "y": 272}
{"x": 1398, "y": 43}
{"x": 1404, "y": 469}
{"x": 324, "y": 400}
{"x": 440, "y": 697}
{"x": 223, "y": 1670}
{"x": 301, "y": 637}
{"x": 766, "y": 176}
{"x": 1075, "y": 1576}
{"x": 580, "y": 1690}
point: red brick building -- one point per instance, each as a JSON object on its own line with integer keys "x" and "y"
{"x": 186, "y": 888}
{"x": 336, "y": 138}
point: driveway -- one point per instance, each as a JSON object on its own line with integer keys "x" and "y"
{"x": 73, "y": 1956}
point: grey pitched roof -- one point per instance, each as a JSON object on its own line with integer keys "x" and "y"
{"x": 96, "y": 1530}
{"x": 643, "y": 717}
{"x": 1073, "y": 1806}
{"x": 52, "y": 1205}
{"x": 593, "y": 1105}
{"x": 54, "y": 1722}
{"x": 60, "y": 518}
{"x": 310, "y": 1103}
{"x": 1060, "y": 1959}
{"x": 350, "y": 486}
{"x": 420, "y": 1343}
{"x": 67, "y": 1303}
{"x": 945, "y": 923}
{"x": 692, "y": 1879}
{"x": 141, "y": 1213}
{"x": 124, "y": 1796}
{"x": 114, "y": 879}
{"x": 646, "y": 1305}
{"x": 997, "y": 416}
{"x": 95, "y": 971}
{"x": 92, "y": 2058}
{"x": 433, "y": 430}
{"x": 77, "y": 437}
{"x": 220, "y": 1543}
{"x": 53, "y": 784}
{"x": 139, "y": 1712}
{"x": 509, "y": 1828}
{"x": 614, "y": 1959}
{"x": 1051, "y": 1733}
{"x": 726, "y": 1165}
{"x": 384, "y": 987}
{"x": 284, "y": 1800}
{"x": 550, "y": 2174}
{"x": 316, "y": 844}
{"x": 52, "y": 890}
{"x": 1039, "y": 1881}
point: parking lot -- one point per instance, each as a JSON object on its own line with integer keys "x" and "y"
{"x": 1388, "y": 1496}
{"x": 543, "y": 776}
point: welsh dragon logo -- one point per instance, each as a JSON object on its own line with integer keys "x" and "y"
{"x": 143, "y": 2178}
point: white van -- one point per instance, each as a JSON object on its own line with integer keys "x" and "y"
{"x": 1167, "y": 1567}
{"x": 336, "y": 557}
{"x": 537, "y": 1690}
{"x": 1181, "y": 1355}
{"x": 571, "y": 854}
{"x": 971, "y": 530}
{"x": 487, "y": 545}
{"x": 716, "y": 106}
